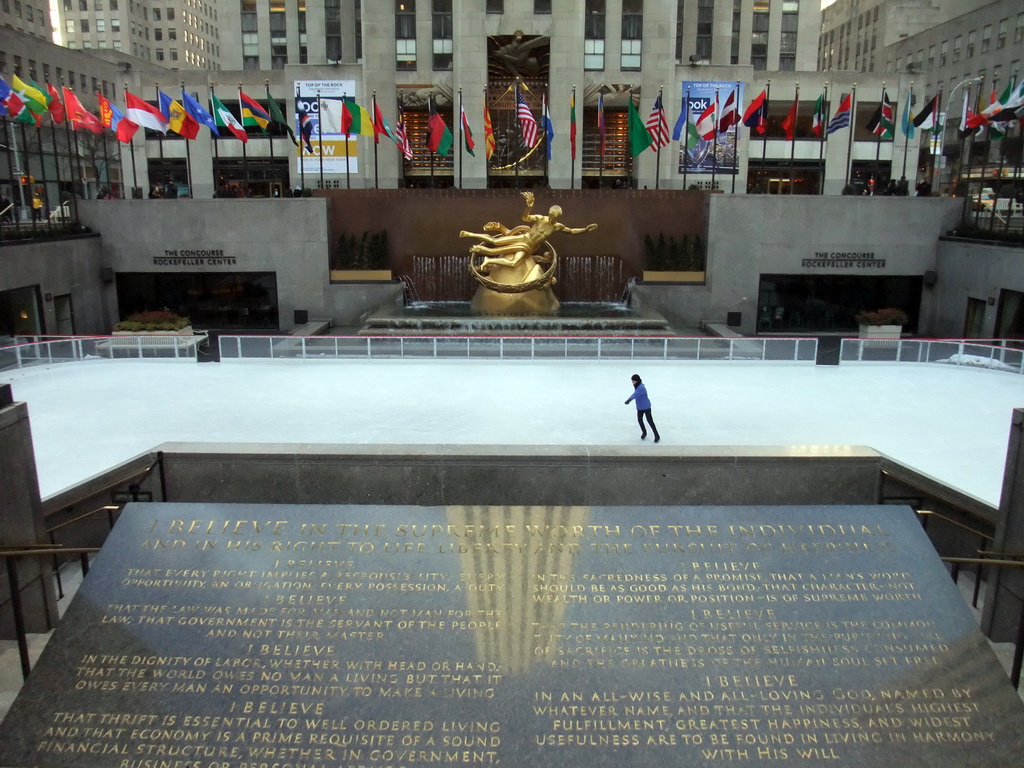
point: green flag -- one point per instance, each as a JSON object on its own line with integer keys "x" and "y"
{"x": 639, "y": 138}
{"x": 278, "y": 117}
{"x": 692, "y": 137}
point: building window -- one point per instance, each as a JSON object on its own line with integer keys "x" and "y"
{"x": 332, "y": 29}
{"x": 679, "y": 29}
{"x": 787, "y": 42}
{"x": 1001, "y": 34}
{"x": 495, "y": 6}
{"x": 159, "y": 54}
{"x": 986, "y": 38}
{"x": 85, "y": 25}
{"x": 737, "y": 20}
{"x": 931, "y": 57}
{"x": 593, "y": 35}
{"x": 705, "y": 22}
{"x": 441, "y": 29}
{"x": 632, "y": 34}
{"x": 970, "y": 45}
{"x": 542, "y": 6}
{"x": 1018, "y": 31}
{"x": 405, "y": 34}
{"x": 759, "y": 35}
{"x": 957, "y": 43}
{"x": 69, "y": 26}
{"x": 158, "y": 34}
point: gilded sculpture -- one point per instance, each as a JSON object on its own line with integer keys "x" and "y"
{"x": 517, "y": 268}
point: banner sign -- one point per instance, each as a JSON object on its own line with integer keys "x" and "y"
{"x": 323, "y": 134}
{"x": 717, "y": 152}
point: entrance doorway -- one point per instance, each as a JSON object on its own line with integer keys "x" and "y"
{"x": 63, "y": 315}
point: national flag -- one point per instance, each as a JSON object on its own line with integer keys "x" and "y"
{"x": 756, "y": 114}
{"x": 527, "y": 122}
{"x": 994, "y": 106}
{"x": 489, "y": 141}
{"x": 692, "y": 137}
{"x": 439, "y": 137}
{"x": 54, "y": 104}
{"x": 789, "y": 123}
{"x": 907, "y": 121}
{"x": 144, "y": 114}
{"x": 198, "y": 112}
{"x": 841, "y": 118}
{"x": 1011, "y": 106}
{"x": 380, "y": 124}
{"x": 997, "y": 130}
{"x": 355, "y": 119}
{"x": 657, "y": 125}
{"x": 306, "y": 129}
{"x": 30, "y": 95}
{"x": 572, "y": 125}
{"x": 639, "y": 138}
{"x": 966, "y": 114}
{"x": 112, "y": 118}
{"x": 178, "y": 119}
{"x": 403, "y": 135}
{"x": 819, "y": 117}
{"x": 730, "y": 112}
{"x": 883, "y": 121}
{"x": 276, "y": 115}
{"x": 925, "y": 119}
{"x": 224, "y": 119}
{"x": 79, "y": 116}
{"x": 600, "y": 120}
{"x": 253, "y": 113}
{"x": 706, "y": 123}
{"x": 549, "y": 128}
{"x": 10, "y": 104}
{"x": 467, "y": 133}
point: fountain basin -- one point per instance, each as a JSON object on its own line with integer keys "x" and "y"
{"x": 572, "y": 319}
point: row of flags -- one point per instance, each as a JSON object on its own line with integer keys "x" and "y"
{"x": 27, "y": 102}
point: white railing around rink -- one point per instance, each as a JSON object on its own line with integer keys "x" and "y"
{"x": 70, "y": 349}
{"x": 235, "y": 348}
{"x": 992, "y": 354}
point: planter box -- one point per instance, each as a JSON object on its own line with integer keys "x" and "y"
{"x": 672, "y": 277}
{"x": 880, "y": 331}
{"x": 361, "y": 276}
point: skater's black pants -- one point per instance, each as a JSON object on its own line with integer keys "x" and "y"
{"x": 640, "y": 415}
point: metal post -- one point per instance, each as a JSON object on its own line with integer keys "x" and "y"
{"x": 19, "y": 617}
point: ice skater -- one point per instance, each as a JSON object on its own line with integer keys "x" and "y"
{"x": 643, "y": 407}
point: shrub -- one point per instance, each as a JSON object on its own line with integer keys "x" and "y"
{"x": 887, "y": 316}
{"x": 156, "y": 320}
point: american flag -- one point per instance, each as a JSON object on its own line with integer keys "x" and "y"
{"x": 402, "y": 135}
{"x": 657, "y": 126}
{"x": 527, "y": 122}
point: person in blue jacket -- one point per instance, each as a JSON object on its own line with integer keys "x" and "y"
{"x": 643, "y": 407}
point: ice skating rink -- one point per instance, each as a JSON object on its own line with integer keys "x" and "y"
{"x": 948, "y": 422}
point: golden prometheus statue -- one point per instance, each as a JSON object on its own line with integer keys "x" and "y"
{"x": 515, "y": 276}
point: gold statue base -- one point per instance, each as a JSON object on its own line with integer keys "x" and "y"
{"x": 538, "y": 302}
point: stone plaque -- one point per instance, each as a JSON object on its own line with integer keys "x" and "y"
{"x": 259, "y": 636}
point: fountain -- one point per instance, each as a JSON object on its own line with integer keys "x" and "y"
{"x": 515, "y": 270}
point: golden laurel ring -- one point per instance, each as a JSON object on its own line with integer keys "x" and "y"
{"x": 541, "y": 282}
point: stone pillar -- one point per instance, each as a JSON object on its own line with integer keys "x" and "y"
{"x": 21, "y": 521}
{"x": 1004, "y": 594}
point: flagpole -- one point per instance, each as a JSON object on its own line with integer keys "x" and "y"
{"x": 72, "y": 158}
{"x": 460, "y": 136}
{"x": 42, "y": 166}
{"x": 736, "y": 143}
{"x": 348, "y": 137}
{"x": 933, "y": 181}
{"x": 984, "y": 157}
{"x": 245, "y": 154}
{"x": 131, "y": 144}
{"x": 544, "y": 110}
{"x": 685, "y": 136}
{"x": 908, "y": 121}
{"x": 792, "y": 143}
{"x": 188, "y": 158}
{"x": 302, "y": 146}
{"x": 53, "y": 138}
{"x": 878, "y": 142}
{"x": 320, "y": 139}
{"x": 160, "y": 141}
{"x": 16, "y": 170}
{"x": 657, "y": 154}
{"x": 822, "y": 139}
{"x": 600, "y": 117}
{"x": 764, "y": 140}
{"x": 376, "y": 141}
{"x": 106, "y": 159}
{"x": 270, "y": 136}
{"x": 714, "y": 141}
{"x": 849, "y": 144}
{"x": 572, "y": 159}
{"x": 516, "y": 102}
{"x": 430, "y": 102}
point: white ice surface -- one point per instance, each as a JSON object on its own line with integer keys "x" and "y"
{"x": 950, "y": 423}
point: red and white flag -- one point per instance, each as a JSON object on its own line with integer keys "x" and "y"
{"x": 730, "y": 114}
{"x": 707, "y": 126}
{"x": 527, "y": 122}
{"x": 144, "y": 114}
{"x": 657, "y": 126}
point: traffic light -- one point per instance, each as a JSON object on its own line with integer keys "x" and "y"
{"x": 24, "y": 180}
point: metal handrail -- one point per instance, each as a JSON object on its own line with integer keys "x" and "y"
{"x": 951, "y": 521}
{"x": 1018, "y": 646}
{"x": 41, "y": 550}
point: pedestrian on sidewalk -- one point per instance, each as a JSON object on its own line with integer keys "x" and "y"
{"x": 643, "y": 407}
